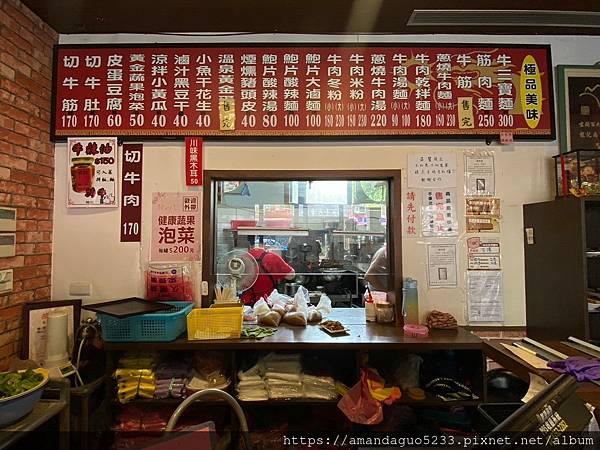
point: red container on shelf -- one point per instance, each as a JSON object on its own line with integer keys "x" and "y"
{"x": 242, "y": 223}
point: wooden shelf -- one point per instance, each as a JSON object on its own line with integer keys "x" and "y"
{"x": 291, "y": 401}
{"x": 270, "y": 231}
{"x": 405, "y": 400}
{"x": 358, "y": 233}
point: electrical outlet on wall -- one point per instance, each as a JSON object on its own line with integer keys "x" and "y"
{"x": 80, "y": 288}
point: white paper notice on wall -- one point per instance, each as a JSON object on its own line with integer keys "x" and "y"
{"x": 480, "y": 175}
{"x": 438, "y": 212}
{"x": 441, "y": 265}
{"x": 432, "y": 170}
{"x": 485, "y": 296}
{"x": 483, "y": 253}
{"x": 411, "y": 211}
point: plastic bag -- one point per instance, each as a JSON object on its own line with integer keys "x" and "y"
{"x": 271, "y": 319}
{"x": 358, "y": 405}
{"x": 279, "y": 309}
{"x": 249, "y": 315}
{"x": 302, "y": 298}
{"x": 276, "y": 298}
{"x": 314, "y": 315}
{"x": 297, "y": 318}
{"x": 301, "y": 302}
{"x": 170, "y": 282}
{"x": 406, "y": 371}
{"x": 324, "y": 305}
{"x": 261, "y": 307}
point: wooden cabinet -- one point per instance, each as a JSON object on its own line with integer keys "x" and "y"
{"x": 562, "y": 267}
{"x": 343, "y": 353}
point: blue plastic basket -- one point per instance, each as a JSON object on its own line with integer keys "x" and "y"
{"x": 153, "y": 327}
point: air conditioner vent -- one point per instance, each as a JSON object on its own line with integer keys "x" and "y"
{"x": 503, "y": 17}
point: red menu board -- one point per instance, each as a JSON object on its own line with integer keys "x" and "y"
{"x": 295, "y": 91}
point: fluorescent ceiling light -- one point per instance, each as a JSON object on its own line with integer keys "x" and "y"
{"x": 504, "y": 17}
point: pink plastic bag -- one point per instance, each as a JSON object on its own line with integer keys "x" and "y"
{"x": 359, "y": 406}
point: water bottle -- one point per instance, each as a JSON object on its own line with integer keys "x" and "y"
{"x": 410, "y": 304}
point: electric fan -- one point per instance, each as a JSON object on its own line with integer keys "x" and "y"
{"x": 237, "y": 271}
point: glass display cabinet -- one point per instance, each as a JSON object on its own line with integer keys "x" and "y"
{"x": 327, "y": 227}
{"x": 577, "y": 173}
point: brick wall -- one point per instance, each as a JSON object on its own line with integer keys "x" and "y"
{"x": 26, "y": 161}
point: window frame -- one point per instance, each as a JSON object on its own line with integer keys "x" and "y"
{"x": 394, "y": 245}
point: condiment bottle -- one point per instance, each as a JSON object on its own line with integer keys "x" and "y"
{"x": 410, "y": 305}
{"x": 370, "y": 311}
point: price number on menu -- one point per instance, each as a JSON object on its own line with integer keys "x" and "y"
{"x": 181, "y": 249}
{"x": 131, "y": 229}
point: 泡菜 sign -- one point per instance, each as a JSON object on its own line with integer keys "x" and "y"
{"x": 297, "y": 91}
{"x": 175, "y": 226}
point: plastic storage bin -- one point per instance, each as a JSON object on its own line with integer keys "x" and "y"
{"x": 154, "y": 327}
{"x": 215, "y": 323}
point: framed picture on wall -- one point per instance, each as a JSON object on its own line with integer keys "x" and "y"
{"x": 579, "y": 107}
{"x": 35, "y": 319}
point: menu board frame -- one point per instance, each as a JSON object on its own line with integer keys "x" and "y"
{"x": 547, "y": 133}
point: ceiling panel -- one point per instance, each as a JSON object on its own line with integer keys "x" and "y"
{"x": 282, "y": 16}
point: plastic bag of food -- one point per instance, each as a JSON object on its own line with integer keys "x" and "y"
{"x": 297, "y": 318}
{"x": 324, "y": 305}
{"x": 276, "y": 297}
{"x": 261, "y": 307}
{"x": 314, "y": 315}
{"x": 271, "y": 319}
{"x": 279, "y": 309}
{"x": 302, "y": 298}
{"x": 301, "y": 301}
{"x": 249, "y": 315}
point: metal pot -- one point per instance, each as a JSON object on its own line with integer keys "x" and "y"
{"x": 301, "y": 279}
{"x": 290, "y": 289}
{"x": 331, "y": 274}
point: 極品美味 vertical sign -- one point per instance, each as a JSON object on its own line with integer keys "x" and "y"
{"x": 131, "y": 193}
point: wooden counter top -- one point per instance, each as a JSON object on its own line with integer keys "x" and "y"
{"x": 362, "y": 336}
{"x": 494, "y": 350}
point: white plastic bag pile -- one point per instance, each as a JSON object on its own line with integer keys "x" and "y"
{"x": 280, "y": 376}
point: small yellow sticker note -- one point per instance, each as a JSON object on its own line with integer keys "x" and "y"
{"x": 226, "y": 114}
{"x": 465, "y": 113}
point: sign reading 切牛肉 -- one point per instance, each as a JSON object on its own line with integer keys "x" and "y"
{"x": 131, "y": 193}
{"x": 295, "y": 91}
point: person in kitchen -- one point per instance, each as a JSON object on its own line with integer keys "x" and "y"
{"x": 377, "y": 273}
{"x": 272, "y": 270}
